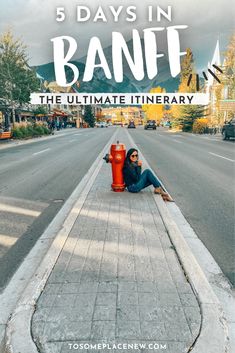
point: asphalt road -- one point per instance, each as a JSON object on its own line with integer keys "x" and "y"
{"x": 198, "y": 171}
{"x": 35, "y": 180}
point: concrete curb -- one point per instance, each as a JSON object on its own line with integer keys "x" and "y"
{"x": 213, "y": 337}
{"x": 20, "y": 320}
{"x": 214, "y": 332}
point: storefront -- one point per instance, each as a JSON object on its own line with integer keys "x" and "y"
{"x": 227, "y": 106}
{"x": 62, "y": 118}
{"x": 23, "y": 116}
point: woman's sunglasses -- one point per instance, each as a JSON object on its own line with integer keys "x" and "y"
{"x": 134, "y": 155}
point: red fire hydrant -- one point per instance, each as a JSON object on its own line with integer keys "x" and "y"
{"x": 116, "y": 158}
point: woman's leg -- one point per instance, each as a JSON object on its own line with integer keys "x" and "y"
{"x": 152, "y": 179}
{"x": 147, "y": 178}
{"x": 158, "y": 187}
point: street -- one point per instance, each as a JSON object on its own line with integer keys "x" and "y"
{"x": 198, "y": 171}
{"x": 36, "y": 179}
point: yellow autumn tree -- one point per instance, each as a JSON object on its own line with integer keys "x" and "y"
{"x": 225, "y": 89}
{"x": 184, "y": 116}
{"x": 154, "y": 111}
{"x": 187, "y": 69}
{"x": 229, "y": 68}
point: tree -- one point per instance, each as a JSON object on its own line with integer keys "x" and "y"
{"x": 187, "y": 68}
{"x": 40, "y": 110}
{"x": 185, "y": 115}
{"x": 189, "y": 114}
{"x": 229, "y": 68}
{"x": 89, "y": 116}
{"x": 154, "y": 111}
{"x": 16, "y": 77}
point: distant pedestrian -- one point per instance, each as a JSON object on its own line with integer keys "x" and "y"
{"x": 136, "y": 181}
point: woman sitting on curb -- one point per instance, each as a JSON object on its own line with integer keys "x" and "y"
{"x": 135, "y": 181}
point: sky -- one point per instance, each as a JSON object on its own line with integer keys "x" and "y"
{"x": 34, "y": 22}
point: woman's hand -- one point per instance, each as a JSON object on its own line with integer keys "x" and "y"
{"x": 139, "y": 163}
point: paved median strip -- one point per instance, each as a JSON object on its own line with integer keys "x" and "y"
{"x": 217, "y": 155}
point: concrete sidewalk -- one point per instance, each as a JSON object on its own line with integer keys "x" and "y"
{"x": 117, "y": 280}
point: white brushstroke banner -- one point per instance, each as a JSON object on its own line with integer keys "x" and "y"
{"x": 120, "y": 98}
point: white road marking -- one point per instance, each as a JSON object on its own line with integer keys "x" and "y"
{"x": 177, "y": 141}
{"x": 209, "y": 137}
{"x": 216, "y": 138}
{"x": 41, "y": 151}
{"x": 6, "y": 240}
{"x": 77, "y": 134}
{"x": 217, "y": 155}
{"x": 19, "y": 210}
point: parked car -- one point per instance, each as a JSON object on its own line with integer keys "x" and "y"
{"x": 228, "y": 130}
{"x": 101, "y": 124}
{"x": 151, "y": 124}
{"x": 131, "y": 125}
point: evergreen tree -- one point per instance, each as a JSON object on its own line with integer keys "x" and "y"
{"x": 89, "y": 116}
{"x": 17, "y": 79}
{"x": 189, "y": 113}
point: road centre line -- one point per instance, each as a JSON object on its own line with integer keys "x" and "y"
{"x": 47, "y": 149}
{"x": 217, "y": 155}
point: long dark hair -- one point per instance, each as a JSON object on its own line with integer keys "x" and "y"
{"x": 129, "y": 153}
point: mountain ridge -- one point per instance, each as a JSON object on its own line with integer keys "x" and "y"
{"x": 100, "y": 84}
